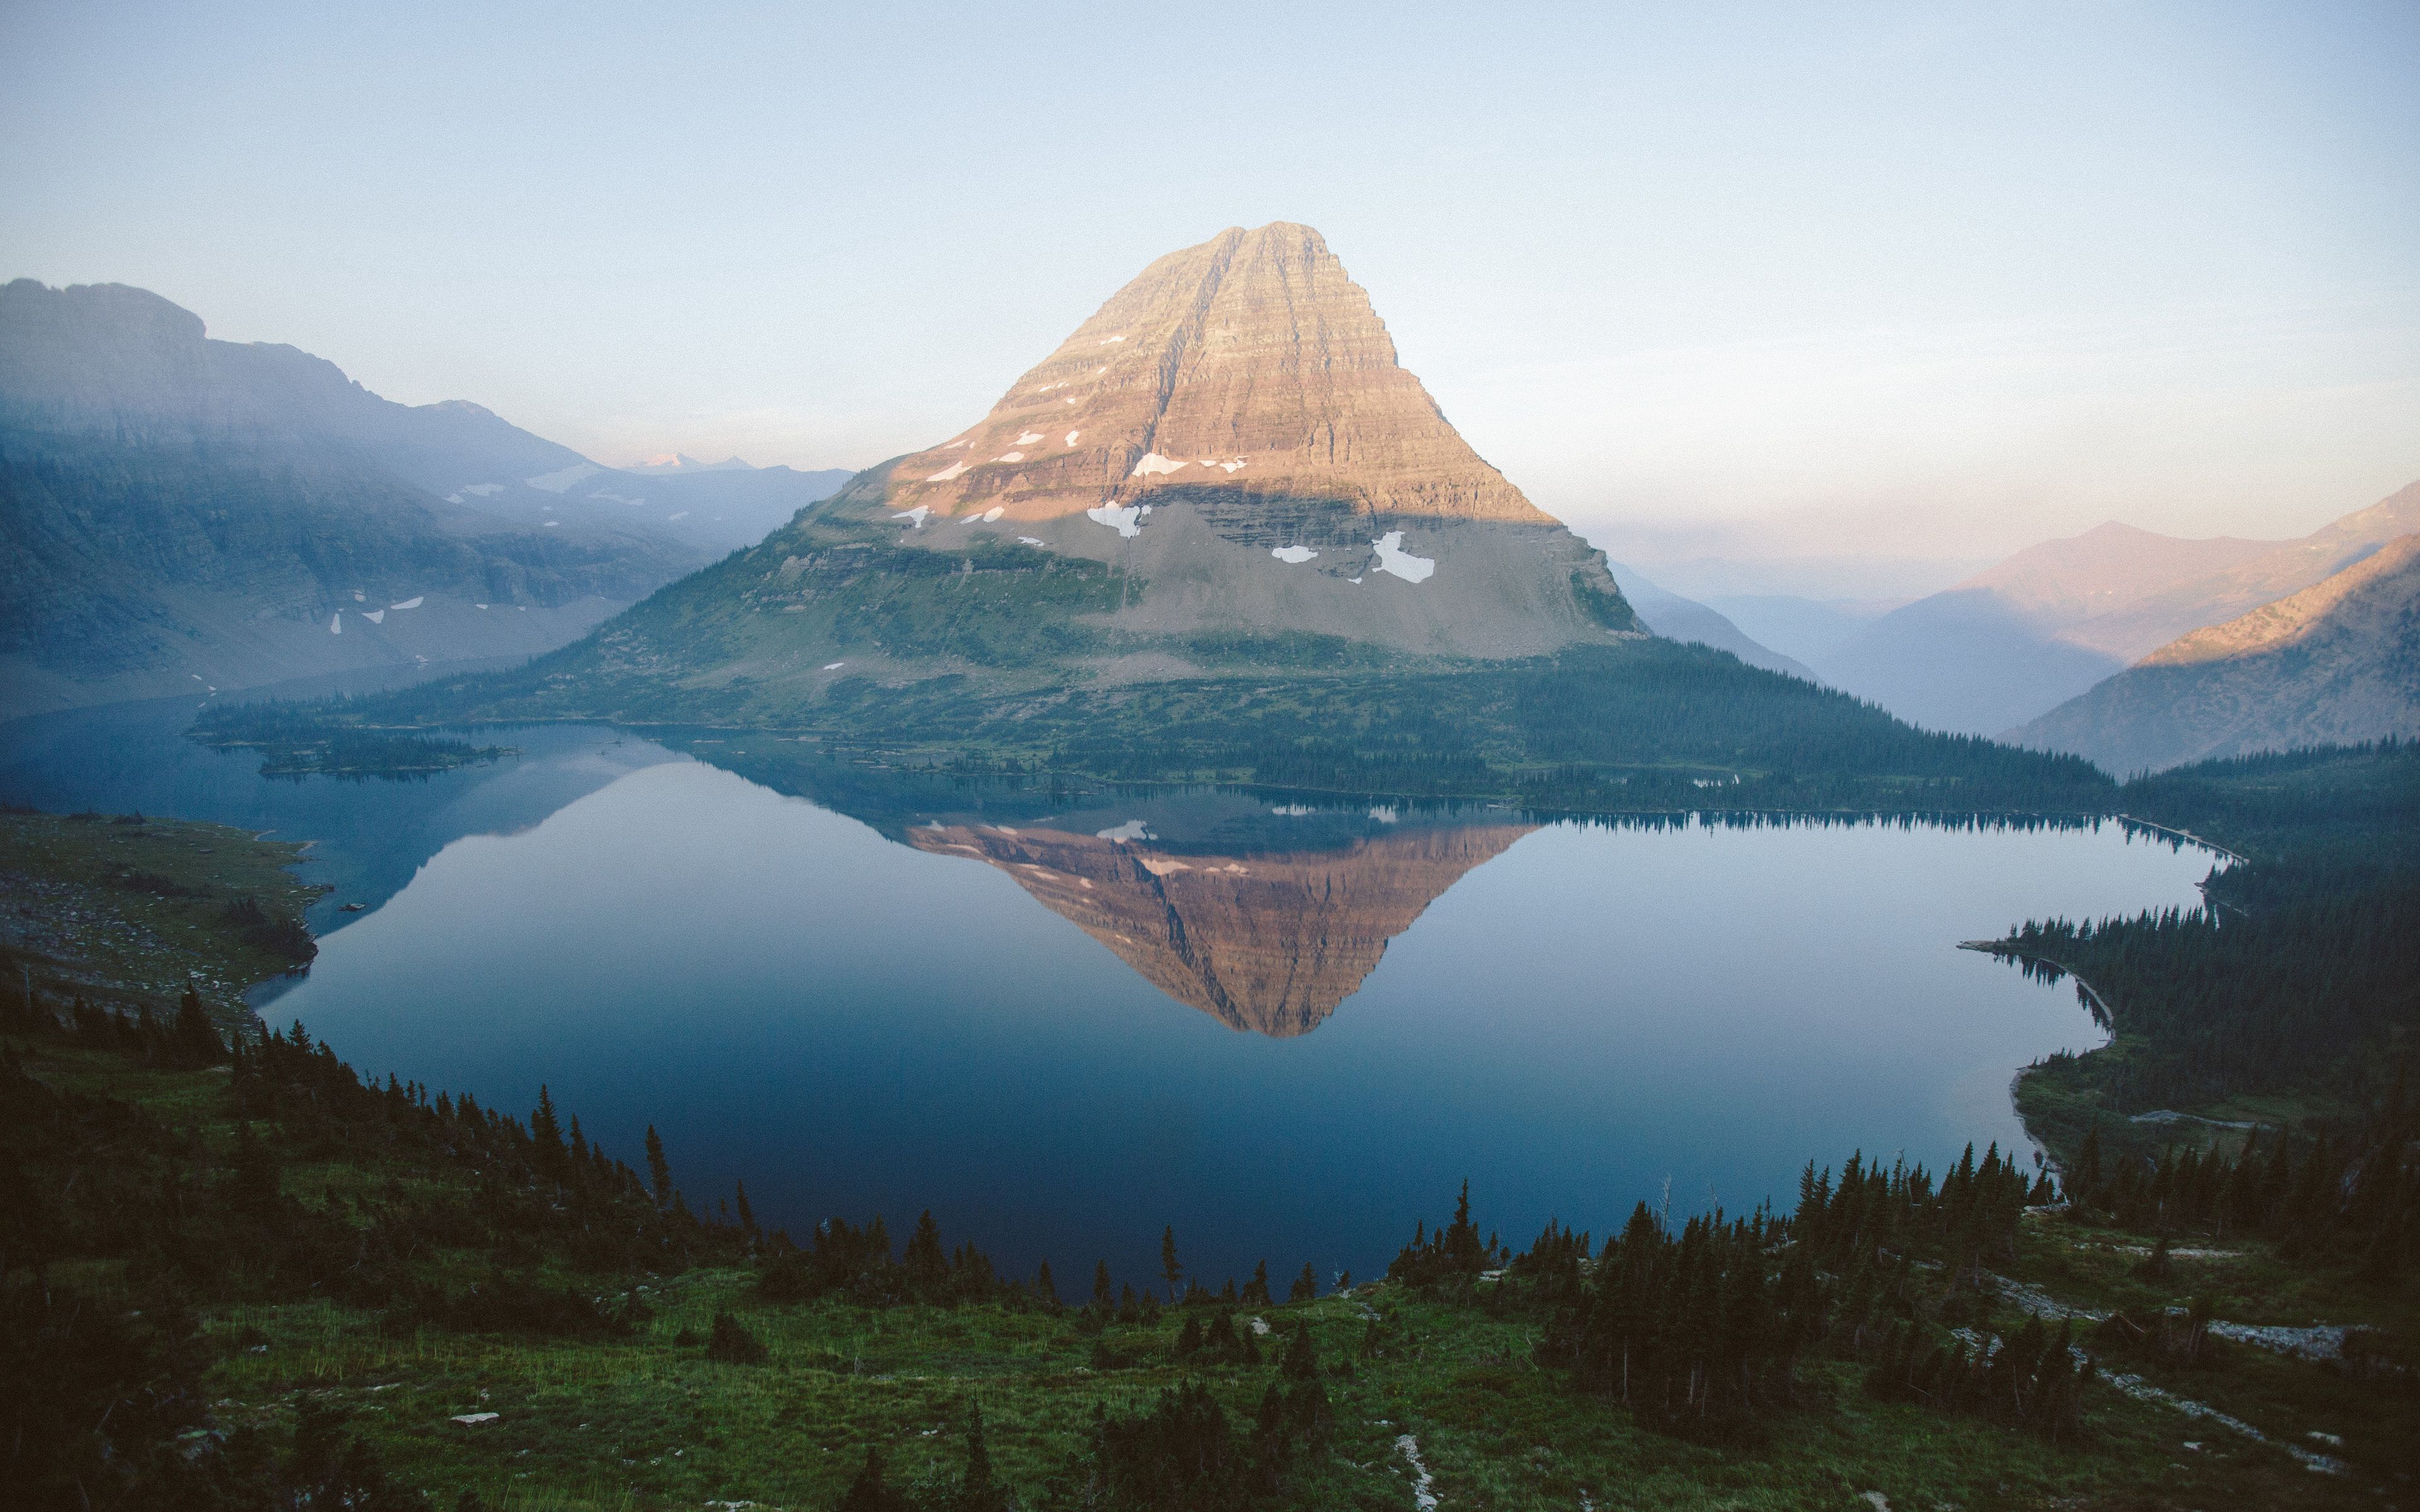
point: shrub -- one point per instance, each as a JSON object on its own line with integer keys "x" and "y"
{"x": 732, "y": 1344}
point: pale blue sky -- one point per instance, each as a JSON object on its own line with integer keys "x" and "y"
{"x": 1919, "y": 279}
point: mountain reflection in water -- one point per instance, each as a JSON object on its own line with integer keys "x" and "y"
{"x": 786, "y": 962}
{"x": 1267, "y": 941}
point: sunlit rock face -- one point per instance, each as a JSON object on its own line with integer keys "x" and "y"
{"x": 1250, "y": 363}
{"x": 1224, "y": 473}
{"x": 1233, "y": 435}
{"x": 2337, "y": 663}
{"x": 1266, "y": 942}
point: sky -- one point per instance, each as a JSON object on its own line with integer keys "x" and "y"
{"x": 1867, "y": 294}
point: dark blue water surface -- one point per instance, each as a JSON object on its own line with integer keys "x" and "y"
{"x": 1062, "y": 1020}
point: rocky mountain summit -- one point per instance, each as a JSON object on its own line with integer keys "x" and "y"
{"x": 1224, "y": 469}
{"x": 2338, "y": 661}
{"x": 1251, "y": 363}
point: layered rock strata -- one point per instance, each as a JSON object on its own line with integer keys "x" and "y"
{"x": 1250, "y": 363}
{"x": 1267, "y": 942}
{"x": 1224, "y": 472}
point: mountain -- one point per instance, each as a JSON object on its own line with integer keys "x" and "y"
{"x": 1220, "y": 535}
{"x": 2094, "y": 584}
{"x": 1963, "y": 660}
{"x": 1224, "y": 469}
{"x": 1265, "y": 941}
{"x": 2050, "y": 622}
{"x": 182, "y": 514}
{"x": 681, "y": 462}
{"x": 2337, "y": 662}
{"x": 1676, "y": 618}
{"x": 1807, "y": 630}
{"x": 2163, "y": 614}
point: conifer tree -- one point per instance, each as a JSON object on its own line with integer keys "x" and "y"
{"x": 927, "y": 1268}
{"x": 1301, "y": 1361}
{"x": 1168, "y": 1263}
{"x": 1102, "y": 1297}
{"x": 976, "y": 1492}
{"x": 197, "y": 1039}
{"x": 660, "y": 1170}
{"x": 747, "y": 1215}
{"x": 867, "y": 1493}
{"x": 733, "y": 1344}
{"x": 2085, "y": 1179}
{"x": 1306, "y": 1286}
{"x": 1257, "y": 1289}
{"x": 552, "y": 1159}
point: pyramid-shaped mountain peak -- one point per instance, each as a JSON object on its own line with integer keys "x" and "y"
{"x": 1251, "y": 364}
{"x": 1224, "y": 473}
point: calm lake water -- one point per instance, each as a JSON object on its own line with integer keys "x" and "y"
{"x": 1288, "y": 1028}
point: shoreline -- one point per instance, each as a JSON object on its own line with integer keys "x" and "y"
{"x": 2006, "y": 949}
{"x": 2184, "y": 834}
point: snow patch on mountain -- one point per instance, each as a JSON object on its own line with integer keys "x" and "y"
{"x": 1393, "y": 558}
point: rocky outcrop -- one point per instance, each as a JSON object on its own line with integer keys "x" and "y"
{"x": 2338, "y": 661}
{"x": 1266, "y": 942}
{"x": 1250, "y": 363}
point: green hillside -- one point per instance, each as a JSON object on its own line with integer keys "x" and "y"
{"x": 1644, "y": 725}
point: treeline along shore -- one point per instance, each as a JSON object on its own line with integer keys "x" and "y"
{"x": 237, "y": 1273}
{"x": 1652, "y": 726}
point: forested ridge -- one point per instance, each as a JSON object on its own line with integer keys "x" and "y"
{"x": 1646, "y": 727}
{"x": 2297, "y": 987}
{"x": 1705, "y": 1332}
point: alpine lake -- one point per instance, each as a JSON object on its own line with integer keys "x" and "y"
{"x": 1288, "y": 1027}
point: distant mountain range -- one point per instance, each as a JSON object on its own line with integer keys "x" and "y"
{"x": 677, "y": 463}
{"x": 1224, "y": 474}
{"x": 2020, "y": 638}
{"x": 1676, "y": 618}
{"x": 185, "y": 514}
{"x": 2337, "y": 662}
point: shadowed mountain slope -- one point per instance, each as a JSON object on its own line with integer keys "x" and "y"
{"x": 2338, "y": 662}
{"x": 1675, "y": 618}
{"x": 182, "y": 514}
